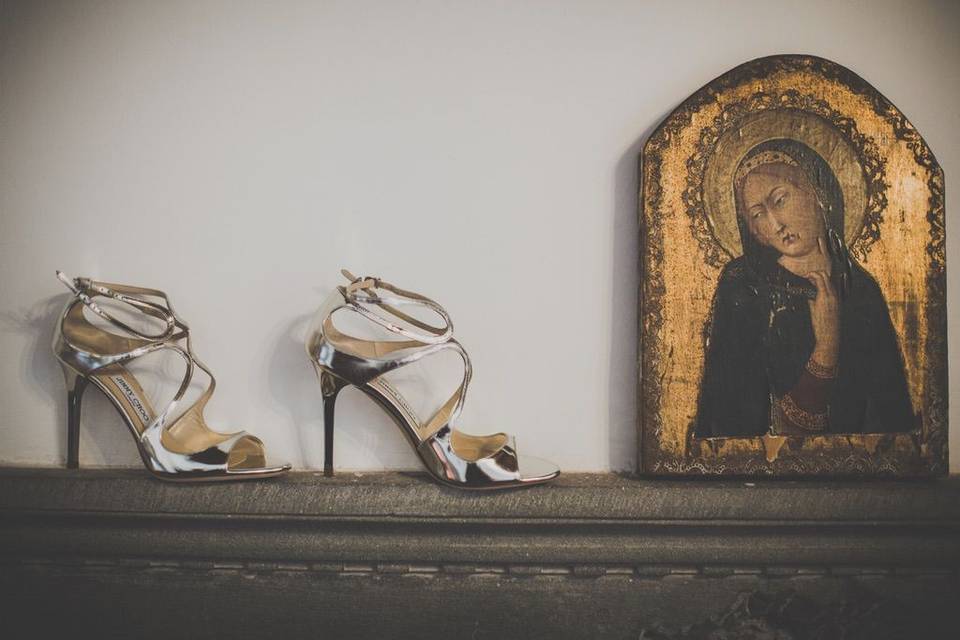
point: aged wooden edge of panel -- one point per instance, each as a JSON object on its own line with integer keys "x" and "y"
{"x": 652, "y": 460}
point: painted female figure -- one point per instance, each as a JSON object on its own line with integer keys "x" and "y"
{"x": 800, "y": 340}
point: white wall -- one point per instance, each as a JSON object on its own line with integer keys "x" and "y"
{"x": 238, "y": 154}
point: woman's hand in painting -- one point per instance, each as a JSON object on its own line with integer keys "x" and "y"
{"x": 825, "y": 317}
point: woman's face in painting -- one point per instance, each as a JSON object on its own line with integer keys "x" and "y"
{"x": 780, "y": 206}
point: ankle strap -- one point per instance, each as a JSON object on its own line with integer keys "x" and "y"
{"x": 83, "y": 287}
{"x": 176, "y": 329}
{"x": 364, "y": 290}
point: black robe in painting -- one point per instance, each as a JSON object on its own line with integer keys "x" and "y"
{"x": 760, "y": 338}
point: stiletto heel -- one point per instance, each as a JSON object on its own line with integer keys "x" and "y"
{"x": 450, "y": 456}
{"x": 76, "y": 385}
{"x": 172, "y": 447}
{"x": 330, "y": 386}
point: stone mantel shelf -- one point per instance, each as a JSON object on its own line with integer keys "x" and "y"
{"x": 591, "y": 555}
{"x": 404, "y": 516}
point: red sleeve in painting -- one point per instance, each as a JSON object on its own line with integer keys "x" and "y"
{"x": 804, "y": 407}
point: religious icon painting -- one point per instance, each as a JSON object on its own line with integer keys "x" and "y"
{"x": 793, "y": 309}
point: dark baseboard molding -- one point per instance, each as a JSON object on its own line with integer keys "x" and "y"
{"x": 395, "y": 555}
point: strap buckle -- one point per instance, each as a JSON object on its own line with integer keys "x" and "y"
{"x": 76, "y": 285}
{"x": 367, "y": 284}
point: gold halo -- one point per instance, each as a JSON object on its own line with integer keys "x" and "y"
{"x": 810, "y": 129}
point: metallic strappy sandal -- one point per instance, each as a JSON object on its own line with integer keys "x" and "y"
{"x": 452, "y": 457}
{"x": 172, "y": 448}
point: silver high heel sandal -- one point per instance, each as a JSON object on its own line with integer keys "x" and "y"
{"x": 452, "y": 457}
{"x": 172, "y": 448}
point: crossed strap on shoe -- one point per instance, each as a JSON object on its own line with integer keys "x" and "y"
{"x": 453, "y": 456}
{"x": 181, "y": 446}
{"x": 427, "y": 341}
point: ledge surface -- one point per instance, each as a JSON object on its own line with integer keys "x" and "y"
{"x": 398, "y": 517}
{"x": 598, "y": 556}
{"x": 576, "y": 497}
